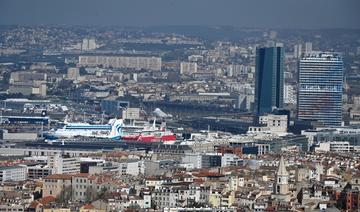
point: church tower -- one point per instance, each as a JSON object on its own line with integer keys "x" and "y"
{"x": 282, "y": 179}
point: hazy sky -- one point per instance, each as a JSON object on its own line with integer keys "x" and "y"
{"x": 243, "y": 13}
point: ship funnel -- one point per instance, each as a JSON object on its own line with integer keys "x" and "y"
{"x": 116, "y": 129}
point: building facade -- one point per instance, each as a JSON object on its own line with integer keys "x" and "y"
{"x": 320, "y": 88}
{"x": 147, "y": 63}
{"x": 64, "y": 164}
{"x": 269, "y": 79}
{"x": 12, "y": 173}
{"x": 188, "y": 68}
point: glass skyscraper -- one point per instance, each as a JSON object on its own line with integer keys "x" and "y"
{"x": 269, "y": 79}
{"x": 320, "y": 88}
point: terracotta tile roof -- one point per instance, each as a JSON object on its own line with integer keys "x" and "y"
{"x": 199, "y": 181}
{"x": 34, "y": 204}
{"x": 47, "y": 200}
{"x": 270, "y": 208}
{"x": 208, "y": 174}
{"x": 88, "y": 206}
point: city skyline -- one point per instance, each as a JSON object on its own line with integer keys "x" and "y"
{"x": 175, "y": 106}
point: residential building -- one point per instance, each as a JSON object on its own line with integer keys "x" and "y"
{"x": 12, "y": 173}
{"x": 137, "y": 63}
{"x": 63, "y": 164}
{"x": 308, "y": 48}
{"x": 55, "y": 184}
{"x": 188, "y": 68}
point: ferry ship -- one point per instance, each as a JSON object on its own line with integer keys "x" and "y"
{"x": 111, "y": 130}
{"x": 115, "y": 130}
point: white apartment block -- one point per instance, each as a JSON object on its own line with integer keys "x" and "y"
{"x": 289, "y": 94}
{"x": 12, "y": 173}
{"x": 63, "y": 165}
{"x": 137, "y": 63}
{"x": 188, "y": 68}
{"x": 231, "y": 160}
{"x": 271, "y": 124}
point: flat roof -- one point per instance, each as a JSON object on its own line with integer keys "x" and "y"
{"x": 9, "y": 167}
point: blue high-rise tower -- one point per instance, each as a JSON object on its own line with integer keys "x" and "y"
{"x": 320, "y": 88}
{"x": 269, "y": 79}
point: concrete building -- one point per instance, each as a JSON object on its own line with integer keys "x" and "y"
{"x": 63, "y": 164}
{"x": 177, "y": 196}
{"x": 38, "y": 171}
{"x": 131, "y": 114}
{"x": 73, "y": 73}
{"x": 19, "y": 150}
{"x": 20, "y": 136}
{"x": 132, "y": 167}
{"x": 270, "y": 124}
{"x": 54, "y": 184}
{"x": 320, "y": 88}
{"x": 231, "y": 160}
{"x": 88, "y": 44}
{"x": 308, "y": 48}
{"x": 158, "y": 167}
{"x": 26, "y": 76}
{"x": 289, "y": 94}
{"x": 297, "y": 51}
{"x": 199, "y": 160}
{"x": 188, "y": 68}
{"x": 12, "y": 173}
{"x": 337, "y": 146}
{"x": 28, "y": 88}
{"x": 137, "y": 63}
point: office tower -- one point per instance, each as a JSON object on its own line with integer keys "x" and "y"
{"x": 320, "y": 88}
{"x": 308, "y": 48}
{"x": 297, "y": 51}
{"x": 269, "y": 79}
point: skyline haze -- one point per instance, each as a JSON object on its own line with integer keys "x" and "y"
{"x": 306, "y": 14}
